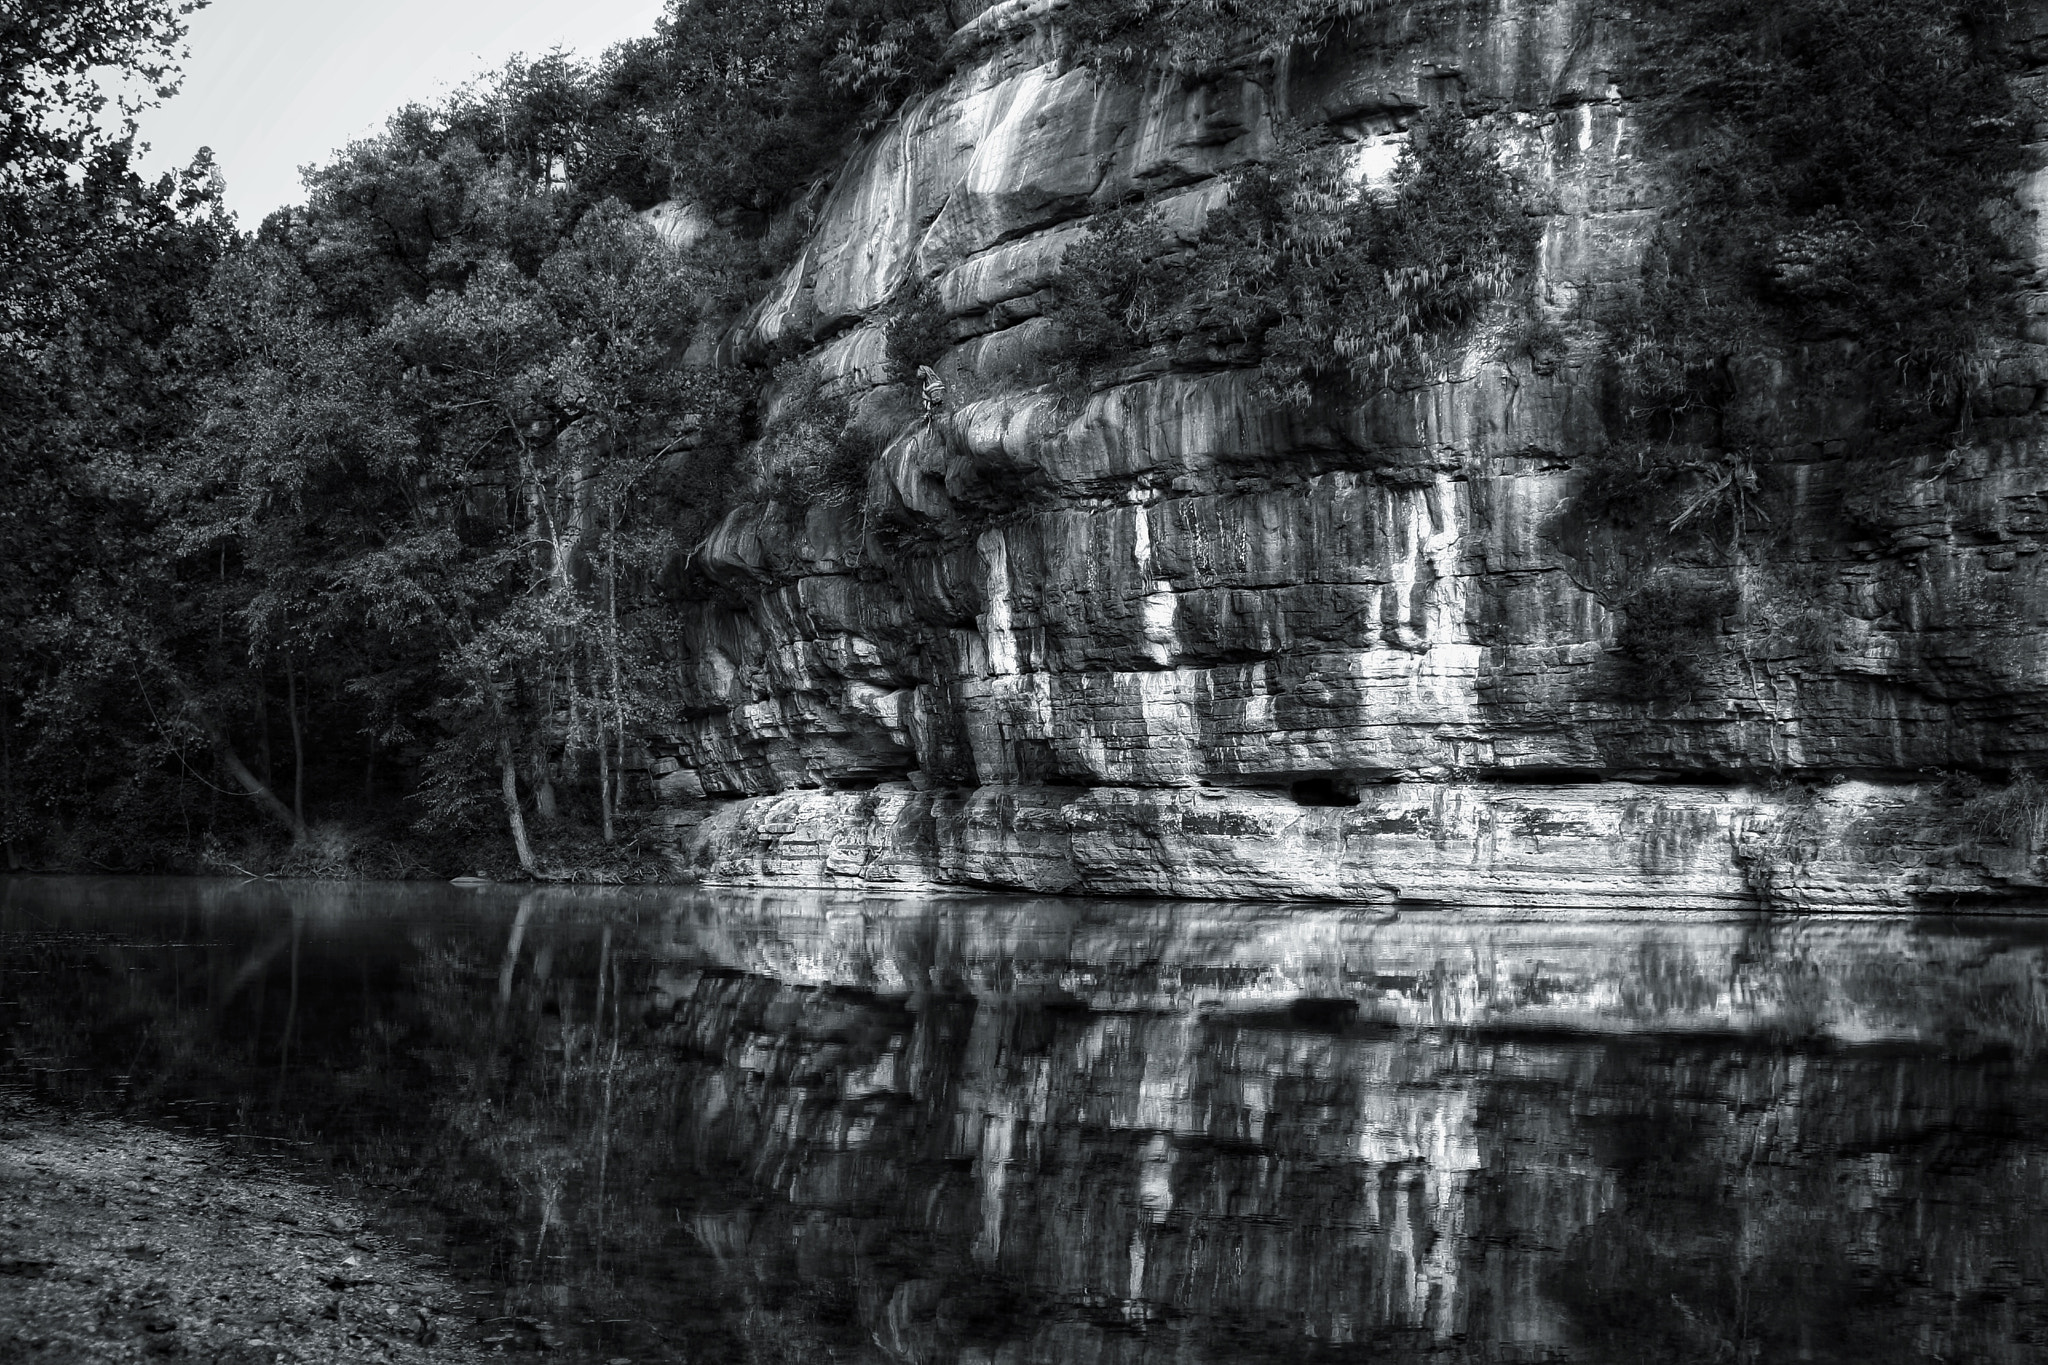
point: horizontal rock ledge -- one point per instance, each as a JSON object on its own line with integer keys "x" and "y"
{"x": 1614, "y": 847}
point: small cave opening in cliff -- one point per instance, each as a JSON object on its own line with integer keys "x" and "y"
{"x": 1541, "y": 776}
{"x": 867, "y": 778}
{"x": 1324, "y": 791}
{"x": 1307, "y": 1014}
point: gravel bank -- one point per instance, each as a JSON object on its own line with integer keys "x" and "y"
{"x": 124, "y": 1242}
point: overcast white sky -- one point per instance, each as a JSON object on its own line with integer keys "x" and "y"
{"x": 274, "y": 84}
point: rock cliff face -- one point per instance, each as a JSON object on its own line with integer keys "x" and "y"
{"x": 1168, "y": 637}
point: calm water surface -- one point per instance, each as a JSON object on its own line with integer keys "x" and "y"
{"x": 715, "y": 1126}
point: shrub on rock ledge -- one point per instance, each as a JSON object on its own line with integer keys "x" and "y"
{"x": 1320, "y": 281}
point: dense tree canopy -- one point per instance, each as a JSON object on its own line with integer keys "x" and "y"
{"x": 97, "y": 270}
{"x": 1837, "y": 163}
{"x": 373, "y": 499}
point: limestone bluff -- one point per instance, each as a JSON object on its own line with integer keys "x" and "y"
{"x": 1154, "y": 641}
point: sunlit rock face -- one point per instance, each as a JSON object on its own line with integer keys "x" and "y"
{"x": 1167, "y": 637}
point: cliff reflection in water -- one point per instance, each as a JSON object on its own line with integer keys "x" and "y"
{"x": 717, "y": 1126}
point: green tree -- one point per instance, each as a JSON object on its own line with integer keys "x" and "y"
{"x": 1837, "y": 166}
{"x": 477, "y": 476}
{"x": 97, "y": 267}
{"x": 762, "y": 96}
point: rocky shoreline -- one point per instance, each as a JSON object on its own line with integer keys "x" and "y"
{"x": 121, "y": 1241}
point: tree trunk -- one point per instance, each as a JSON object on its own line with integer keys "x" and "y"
{"x": 263, "y": 728}
{"x": 291, "y": 693}
{"x": 543, "y": 784}
{"x": 618, "y": 692}
{"x": 508, "y": 776}
{"x": 248, "y": 781}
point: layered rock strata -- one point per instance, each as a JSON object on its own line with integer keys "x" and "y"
{"x": 1167, "y": 637}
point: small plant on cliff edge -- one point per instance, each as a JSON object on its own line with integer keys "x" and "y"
{"x": 914, "y": 327}
{"x": 1328, "y": 284}
{"x": 812, "y": 453}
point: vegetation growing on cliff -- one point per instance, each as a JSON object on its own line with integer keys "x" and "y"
{"x": 1319, "y": 280}
{"x": 812, "y": 451}
{"x": 1973, "y": 811}
{"x": 1202, "y": 35}
{"x": 1838, "y": 166}
{"x": 1836, "y": 265}
{"x": 744, "y": 101}
{"x": 914, "y": 327}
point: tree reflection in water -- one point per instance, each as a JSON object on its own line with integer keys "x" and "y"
{"x": 710, "y": 1126}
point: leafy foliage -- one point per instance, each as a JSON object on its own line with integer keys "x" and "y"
{"x": 812, "y": 453}
{"x": 60, "y": 160}
{"x": 914, "y": 326}
{"x": 417, "y": 455}
{"x": 521, "y": 422}
{"x": 1319, "y": 280}
{"x": 1117, "y": 287}
{"x": 1203, "y": 35}
{"x": 749, "y": 100}
{"x": 97, "y": 267}
{"x": 1836, "y": 160}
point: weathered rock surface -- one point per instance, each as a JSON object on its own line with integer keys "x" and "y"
{"x": 1140, "y": 641}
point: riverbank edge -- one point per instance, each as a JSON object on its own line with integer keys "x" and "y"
{"x": 121, "y": 1240}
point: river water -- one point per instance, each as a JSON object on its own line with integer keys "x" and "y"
{"x": 719, "y": 1126}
